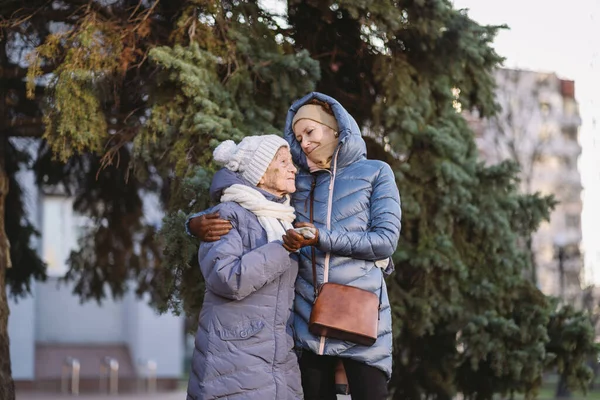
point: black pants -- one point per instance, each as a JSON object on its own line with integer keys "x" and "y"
{"x": 318, "y": 378}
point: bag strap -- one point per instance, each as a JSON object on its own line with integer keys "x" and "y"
{"x": 380, "y": 298}
{"x": 312, "y": 248}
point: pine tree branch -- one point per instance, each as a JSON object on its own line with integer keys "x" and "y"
{"x": 34, "y": 127}
{"x": 67, "y": 16}
{"x": 23, "y": 122}
{"x": 24, "y": 132}
{"x": 20, "y": 72}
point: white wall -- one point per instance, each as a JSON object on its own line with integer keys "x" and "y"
{"x": 130, "y": 323}
{"x": 158, "y": 338}
{"x": 21, "y": 333}
{"x": 62, "y": 319}
{"x": 21, "y": 322}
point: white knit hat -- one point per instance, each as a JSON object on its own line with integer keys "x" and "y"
{"x": 251, "y": 157}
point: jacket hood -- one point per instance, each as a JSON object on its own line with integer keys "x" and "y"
{"x": 224, "y": 178}
{"x": 351, "y": 147}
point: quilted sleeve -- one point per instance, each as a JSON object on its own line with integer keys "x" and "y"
{"x": 381, "y": 239}
{"x": 230, "y": 273}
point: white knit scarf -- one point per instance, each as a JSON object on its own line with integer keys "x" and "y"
{"x": 275, "y": 218}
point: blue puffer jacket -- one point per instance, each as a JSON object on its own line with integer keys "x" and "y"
{"x": 357, "y": 212}
{"x": 244, "y": 344}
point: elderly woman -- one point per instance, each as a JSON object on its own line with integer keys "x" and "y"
{"x": 244, "y": 344}
{"x": 357, "y": 218}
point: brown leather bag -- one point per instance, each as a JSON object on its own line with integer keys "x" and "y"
{"x": 342, "y": 311}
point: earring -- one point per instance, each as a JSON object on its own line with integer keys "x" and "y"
{"x": 336, "y": 134}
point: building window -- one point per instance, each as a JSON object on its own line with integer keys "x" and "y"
{"x": 569, "y": 162}
{"x": 570, "y": 133}
{"x": 570, "y": 108}
{"x": 572, "y": 220}
{"x": 544, "y": 133}
{"x": 61, "y": 228}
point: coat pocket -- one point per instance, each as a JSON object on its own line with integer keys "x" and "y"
{"x": 241, "y": 331}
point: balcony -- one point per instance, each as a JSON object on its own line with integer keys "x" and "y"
{"x": 570, "y": 121}
{"x": 570, "y": 117}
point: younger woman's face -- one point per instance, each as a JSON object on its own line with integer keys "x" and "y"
{"x": 311, "y": 135}
{"x": 280, "y": 178}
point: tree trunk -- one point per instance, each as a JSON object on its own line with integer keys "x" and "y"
{"x": 533, "y": 271}
{"x": 562, "y": 391}
{"x": 7, "y": 387}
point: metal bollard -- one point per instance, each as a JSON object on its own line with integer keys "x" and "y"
{"x": 109, "y": 373}
{"x": 152, "y": 366}
{"x": 147, "y": 376}
{"x": 70, "y": 369}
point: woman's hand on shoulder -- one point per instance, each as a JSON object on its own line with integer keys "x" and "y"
{"x": 209, "y": 227}
{"x": 305, "y": 234}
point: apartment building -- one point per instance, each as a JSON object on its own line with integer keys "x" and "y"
{"x": 538, "y": 128}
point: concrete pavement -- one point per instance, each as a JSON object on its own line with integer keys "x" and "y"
{"x": 178, "y": 395}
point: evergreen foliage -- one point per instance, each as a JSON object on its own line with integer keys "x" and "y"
{"x": 139, "y": 93}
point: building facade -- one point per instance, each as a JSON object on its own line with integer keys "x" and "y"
{"x": 538, "y": 128}
{"x": 51, "y": 329}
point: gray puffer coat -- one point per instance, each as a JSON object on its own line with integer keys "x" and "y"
{"x": 244, "y": 344}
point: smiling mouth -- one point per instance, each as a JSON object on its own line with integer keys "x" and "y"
{"x": 308, "y": 151}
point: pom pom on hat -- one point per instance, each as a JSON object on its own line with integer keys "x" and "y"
{"x": 251, "y": 157}
{"x": 224, "y": 152}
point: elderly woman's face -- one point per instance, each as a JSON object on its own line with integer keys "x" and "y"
{"x": 280, "y": 177}
{"x": 311, "y": 135}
